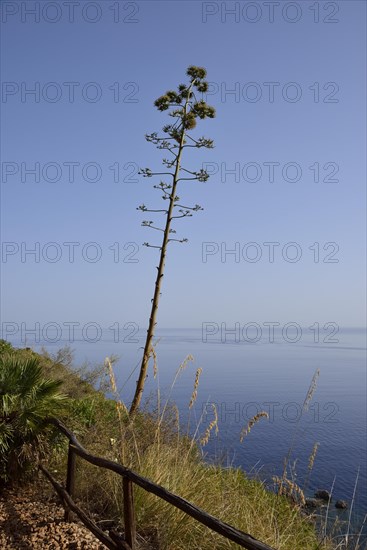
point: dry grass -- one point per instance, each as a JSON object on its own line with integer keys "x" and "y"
{"x": 153, "y": 446}
{"x": 225, "y": 493}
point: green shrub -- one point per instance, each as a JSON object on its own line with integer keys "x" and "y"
{"x": 5, "y": 347}
{"x": 27, "y": 398}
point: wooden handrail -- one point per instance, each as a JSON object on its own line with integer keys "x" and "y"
{"x": 242, "y": 539}
{"x": 64, "y": 495}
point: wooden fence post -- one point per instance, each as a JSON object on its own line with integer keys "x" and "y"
{"x": 129, "y": 512}
{"x": 70, "y": 479}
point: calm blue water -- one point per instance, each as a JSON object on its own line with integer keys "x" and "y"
{"x": 242, "y": 378}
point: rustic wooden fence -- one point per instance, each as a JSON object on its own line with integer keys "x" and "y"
{"x": 113, "y": 541}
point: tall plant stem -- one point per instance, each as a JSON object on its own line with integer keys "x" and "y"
{"x": 158, "y": 283}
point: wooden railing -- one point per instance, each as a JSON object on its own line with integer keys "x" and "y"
{"x": 113, "y": 540}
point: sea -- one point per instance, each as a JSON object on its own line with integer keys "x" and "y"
{"x": 310, "y": 381}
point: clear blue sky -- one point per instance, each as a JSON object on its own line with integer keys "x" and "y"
{"x": 152, "y": 55}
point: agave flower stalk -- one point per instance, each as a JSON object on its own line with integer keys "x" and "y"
{"x": 185, "y": 109}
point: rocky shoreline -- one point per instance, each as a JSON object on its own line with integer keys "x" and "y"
{"x": 323, "y": 497}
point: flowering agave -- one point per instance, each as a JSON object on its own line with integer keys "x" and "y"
{"x": 185, "y": 108}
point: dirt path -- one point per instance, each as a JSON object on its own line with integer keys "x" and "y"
{"x": 31, "y": 520}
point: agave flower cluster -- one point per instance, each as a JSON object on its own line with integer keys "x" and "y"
{"x": 185, "y": 107}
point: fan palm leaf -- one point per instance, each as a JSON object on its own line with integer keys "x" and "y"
{"x": 27, "y": 398}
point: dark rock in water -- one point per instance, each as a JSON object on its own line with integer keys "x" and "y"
{"x": 323, "y": 495}
{"x": 312, "y": 503}
{"x": 341, "y": 504}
